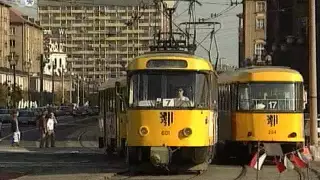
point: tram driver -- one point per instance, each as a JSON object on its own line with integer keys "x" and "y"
{"x": 181, "y": 97}
{"x": 181, "y": 100}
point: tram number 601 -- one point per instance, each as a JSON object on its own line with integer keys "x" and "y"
{"x": 165, "y": 133}
{"x": 272, "y": 132}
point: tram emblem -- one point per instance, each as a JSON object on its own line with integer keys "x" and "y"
{"x": 166, "y": 118}
{"x": 272, "y": 120}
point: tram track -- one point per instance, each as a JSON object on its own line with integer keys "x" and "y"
{"x": 243, "y": 173}
{"x": 314, "y": 171}
{"x": 127, "y": 175}
{"x": 300, "y": 173}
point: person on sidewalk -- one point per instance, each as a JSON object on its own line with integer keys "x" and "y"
{"x": 15, "y": 129}
{"x": 42, "y": 125}
{"x": 51, "y": 122}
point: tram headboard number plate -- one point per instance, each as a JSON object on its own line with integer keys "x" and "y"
{"x": 272, "y": 120}
{"x": 166, "y": 118}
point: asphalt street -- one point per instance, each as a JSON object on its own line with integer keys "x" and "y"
{"x": 83, "y": 160}
{"x": 68, "y": 131}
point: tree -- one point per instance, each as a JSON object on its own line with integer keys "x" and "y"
{"x": 58, "y": 97}
{"x": 17, "y": 96}
{"x": 3, "y": 95}
{"x": 7, "y": 96}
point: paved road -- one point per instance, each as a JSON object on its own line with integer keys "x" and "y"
{"x": 68, "y": 132}
{"x": 98, "y": 166}
{"x": 83, "y": 160}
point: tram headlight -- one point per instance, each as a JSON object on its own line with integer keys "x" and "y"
{"x": 187, "y": 132}
{"x": 143, "y": 131}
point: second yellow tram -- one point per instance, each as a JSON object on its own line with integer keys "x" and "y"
{"x": 260, "y": 105}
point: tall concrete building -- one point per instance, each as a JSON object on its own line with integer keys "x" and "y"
{"x": 252, "y": 40}
{"x": 4, "y": 34}
{"x": 101, "y": 37}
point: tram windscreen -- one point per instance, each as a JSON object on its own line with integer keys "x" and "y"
{"x": 270, "y": 96}
{"x": 169, "y": 89}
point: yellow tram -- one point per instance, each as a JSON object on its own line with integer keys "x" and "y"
{"x": 260, "y": 104}
{"x": 170, "y": 110}
{"x": 113, "y": 116}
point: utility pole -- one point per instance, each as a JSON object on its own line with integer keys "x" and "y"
{"x": 313, "y": 74}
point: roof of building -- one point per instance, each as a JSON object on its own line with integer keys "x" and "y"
{"x": 4, "y": 4}
{"x": 17, "y": 17}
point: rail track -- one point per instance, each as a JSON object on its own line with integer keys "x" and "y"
{"x": 243, "y": 173}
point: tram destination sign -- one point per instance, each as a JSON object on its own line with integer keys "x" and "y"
{"x": 164, "y": 63}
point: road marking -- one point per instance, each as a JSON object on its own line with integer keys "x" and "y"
{"x": 62, "y": 124}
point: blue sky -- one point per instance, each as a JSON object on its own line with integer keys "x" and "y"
{"x": 227, "y": 36}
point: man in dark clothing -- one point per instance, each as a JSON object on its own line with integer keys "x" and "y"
{"x": 42, "y": 125}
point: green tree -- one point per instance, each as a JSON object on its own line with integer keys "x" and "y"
{"x": 58, "y": 97}
{"x": 17, "y": 95}
{"x": 7, "y": 96}
{"x": 3, "y": 95}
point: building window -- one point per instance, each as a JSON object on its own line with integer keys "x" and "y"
{"x": 12, "y": 43}
{"x": 260, "y": 6}
{"x": 12, "y": 30}
{"x": 260, "y": 23}
{"x": 259, "y": 49}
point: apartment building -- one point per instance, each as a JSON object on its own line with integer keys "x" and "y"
{"x": 252, "y": 39}
{"x": 101, "y": 38}
{"x": 26, "y": 40}
{"x": 4, "y": 34}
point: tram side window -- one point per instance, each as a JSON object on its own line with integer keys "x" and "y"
{"x": 215, "y": 92}
{"x": 107, "y": 100}
{"x": 234, "y": 96}
{"x": 122, "y": 91}
{"x": 220, "y": 97}
{"x": 228, "y": 97}
{"x": 101, "y": 101}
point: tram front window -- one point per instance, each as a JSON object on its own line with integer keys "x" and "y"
{"x": 270, "y": 97}
{"x": 169, "y": 89}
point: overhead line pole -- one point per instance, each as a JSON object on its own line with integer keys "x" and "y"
{"x": 313, "y": 74}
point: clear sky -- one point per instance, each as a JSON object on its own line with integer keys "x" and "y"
{"x": 227, "y": 36}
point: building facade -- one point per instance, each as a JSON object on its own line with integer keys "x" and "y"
{"x": 4, "y": 34}
{"x": 100, "y": 39}
{"x": 57, "y": 60}
{"x": 26, "y": 40}
{"x": 252, "y": 35}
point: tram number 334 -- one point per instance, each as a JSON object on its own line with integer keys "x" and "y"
{"x": 272, "y": 132}
{"x": 165, "y": 133}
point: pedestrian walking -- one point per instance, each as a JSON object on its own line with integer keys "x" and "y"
{"x": 15, "y": 129}
{"x": 51, "y": 122}
{"x": 42, "y": 125}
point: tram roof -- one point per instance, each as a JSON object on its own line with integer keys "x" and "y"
{"x": 193, "y": 62}
{"x": 266, "y": 73}
{"x": 110, "y": 83}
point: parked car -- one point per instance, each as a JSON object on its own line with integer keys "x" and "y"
{"x": 5, "y": 115}
{"x": 27, "y": 117}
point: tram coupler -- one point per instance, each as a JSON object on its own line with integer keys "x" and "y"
{"x": 160, "y": 156}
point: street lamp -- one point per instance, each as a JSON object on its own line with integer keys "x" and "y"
{"x": 13, "y": 61}
{"x": 28, "y": 66}
{"x": 53, "y": 67}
